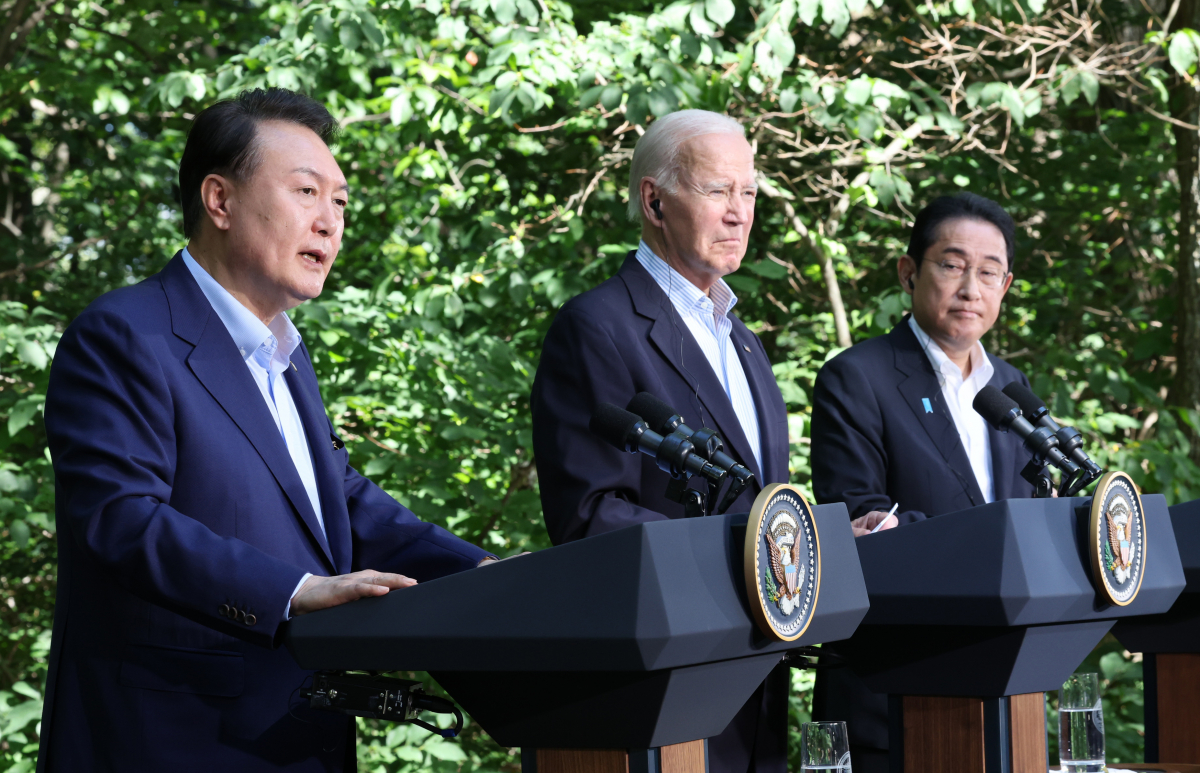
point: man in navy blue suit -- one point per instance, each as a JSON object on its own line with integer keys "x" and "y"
{"x": 893, "y": 422}
{"x": 664, "y": 325}
{"x": 203, "y": 497}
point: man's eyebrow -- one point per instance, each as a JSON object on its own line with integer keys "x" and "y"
{"x": 952, "y": 250}
{"x": 313, "y": 172}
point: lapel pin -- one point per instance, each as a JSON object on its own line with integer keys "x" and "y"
{"x": 928, "y": 406}
{"x": 293, "y": 366}
{"x": 746, "y": 347}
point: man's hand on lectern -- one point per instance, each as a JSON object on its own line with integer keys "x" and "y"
{"x": 866, "y": 523}
{"x": 323, "y": 592}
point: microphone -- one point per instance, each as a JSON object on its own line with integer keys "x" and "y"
{"x": 1070, "y": 441}
{"x": 708, "y": 443}
{"x": 1003, "y": 413}
{"x": 674, "y": 454}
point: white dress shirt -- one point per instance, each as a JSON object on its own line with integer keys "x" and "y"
{"x": 960, "y": 394}
{"x": 267, "y": 352}
{"x": 707, "y": 317}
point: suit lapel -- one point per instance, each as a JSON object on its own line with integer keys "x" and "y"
{"x": 772, "y": 429}
{"x": 221, "y": 370}
{"x": 921, "y": 384}
{"x": 307, "y": 397}
{"x": 676, "y": 345}
{"x": 1004, "y": 452}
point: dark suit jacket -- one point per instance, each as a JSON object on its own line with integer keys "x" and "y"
{"x": 873, "y": 444}
{"x": 607, "y": 345}
{"x": 176, "y": 497}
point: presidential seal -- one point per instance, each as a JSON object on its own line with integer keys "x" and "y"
{"x": 782, "y": 562}
{"x": 1117, "y": 539}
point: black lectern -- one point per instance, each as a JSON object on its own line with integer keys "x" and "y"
{"x": 975, "y": 614}
{"x": 630, "y": 641}
{"x": 1171, "y": 646}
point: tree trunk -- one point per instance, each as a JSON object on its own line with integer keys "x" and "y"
{"x": 1185, "y": 106}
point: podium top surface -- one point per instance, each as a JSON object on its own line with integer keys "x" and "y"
{"x": 656, "y": 595}
{"x": 1012, "y": 563}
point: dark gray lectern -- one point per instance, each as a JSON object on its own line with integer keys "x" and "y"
{"x": 634, "y": 640}
{"x": 1171, "y": 646}
{"x": 975, "y": 614}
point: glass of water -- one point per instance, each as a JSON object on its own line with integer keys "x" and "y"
{"x": 824, "y": 747}
{"x": 1081, "y": 725}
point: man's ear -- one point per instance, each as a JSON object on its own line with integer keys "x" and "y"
{"x": 215, "y": 193}
{"x": 906, "y": 270}
{"x": 650, "y": 192}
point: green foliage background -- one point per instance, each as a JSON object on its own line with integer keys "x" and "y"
{"x": 487, "y": 142}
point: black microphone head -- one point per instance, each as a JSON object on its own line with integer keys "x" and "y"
{"x": 997, "y": 408}
{"x": 613, "y": 425}
{"x": 1031, "y": 405}
{"x": 653, "y": 411}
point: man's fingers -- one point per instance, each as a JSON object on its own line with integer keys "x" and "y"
{"x": 386, "y": 581}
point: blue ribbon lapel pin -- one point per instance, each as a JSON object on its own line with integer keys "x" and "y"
{"x": 928, "y": 406}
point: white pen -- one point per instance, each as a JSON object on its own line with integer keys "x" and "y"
{"x": 879, "y": 525}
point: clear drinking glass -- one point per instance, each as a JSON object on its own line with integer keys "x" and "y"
{"x": 1081, "y": 725}
{"x": 824, "y": 747}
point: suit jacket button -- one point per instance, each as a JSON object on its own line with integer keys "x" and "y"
{"x": 239, "y": 615}
{"x": 224, "y": 610}
{"x": 251, "y": 619}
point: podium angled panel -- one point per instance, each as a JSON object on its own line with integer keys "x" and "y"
{"x": 656, "y": 595}
{"x": 1016, "y": 562}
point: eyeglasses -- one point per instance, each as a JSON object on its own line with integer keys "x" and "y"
{"x": 953, "y": 271}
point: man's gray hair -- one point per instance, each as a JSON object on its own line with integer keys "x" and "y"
{"x": 657, "y": 152}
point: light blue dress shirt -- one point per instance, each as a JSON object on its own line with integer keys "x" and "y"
{"x": 267, "y": 352}
{"x": 707, "y": 317}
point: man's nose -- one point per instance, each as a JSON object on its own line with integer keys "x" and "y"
{"x": 327, "y": 220}
{"x": 969, "y": 286}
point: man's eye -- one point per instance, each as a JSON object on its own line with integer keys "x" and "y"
{"x": 989, "y": 274}
{"x": 306, "y": 191}
{"x": 953, "y": 267}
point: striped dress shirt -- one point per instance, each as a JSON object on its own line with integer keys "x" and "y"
{"x": 707, "y": 318}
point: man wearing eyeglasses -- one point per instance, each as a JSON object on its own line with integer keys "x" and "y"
{"x": 893, "y": 422}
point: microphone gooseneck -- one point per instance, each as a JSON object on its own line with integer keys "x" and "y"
{"x": 1070, "y": 441}
{"x": 663, "y": 418}
{"x": 1003, "y": 413}
{"x": 674, "y": 454}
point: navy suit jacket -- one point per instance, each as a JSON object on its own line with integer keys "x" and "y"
{"x": 874, "y": 443}
{"x": 606, "y": 345}
{"x": 175, "y": 498}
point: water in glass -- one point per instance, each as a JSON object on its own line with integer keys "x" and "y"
{"x": 1081, "y": 725}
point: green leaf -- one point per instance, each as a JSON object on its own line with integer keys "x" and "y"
{"x": 323, "y": 28}
{"x": 21, "y": 415}
{"x": 444, "y": 750}
{"x": 1090, "y": 85}
{"x": 370, "y": 28}
{"x": 808, "y": 11}
{"x": 1183, "y": 52}
{"x": 32, "y": 353}
{"x": 610, "y": 98}
{"x": 700, "y": 24}
{"x": 720, "y": 11}
{"x": 505, "y": 10}
{"x": 858, "y": 91}
{"x": 349, "y": 33}
{"x": 20, "y": 532}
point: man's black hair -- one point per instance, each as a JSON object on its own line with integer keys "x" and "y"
{"x": 960, "y": 206}
{"x": 222, "y": 140}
